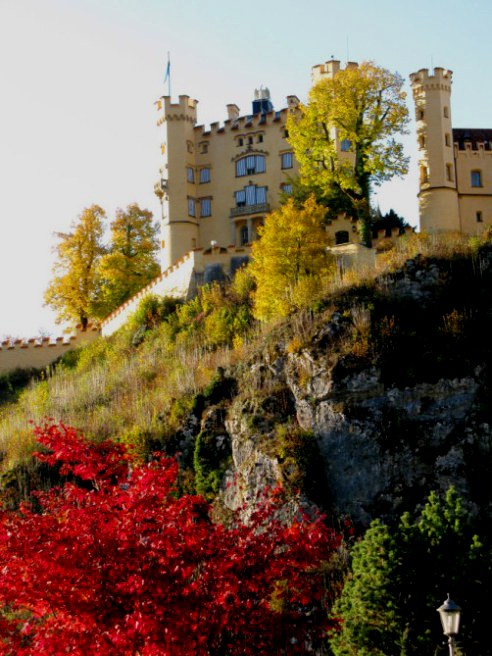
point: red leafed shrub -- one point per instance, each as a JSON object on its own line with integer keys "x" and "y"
{"x": 114, "y": 562}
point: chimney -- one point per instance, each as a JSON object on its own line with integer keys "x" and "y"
{"x": 232, "y": 111}
{"x": 292, "y": 102}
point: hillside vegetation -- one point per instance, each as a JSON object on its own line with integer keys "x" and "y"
{"x": 370, "y": 401}
{"x": 139, "y": 386}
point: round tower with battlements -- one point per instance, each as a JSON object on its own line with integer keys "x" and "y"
{"x": 179, "y": 229}
{"x": 438, "y": 195}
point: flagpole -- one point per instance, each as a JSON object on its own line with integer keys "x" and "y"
{"x": 168, "y": 74}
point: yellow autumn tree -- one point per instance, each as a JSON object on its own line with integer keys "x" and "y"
{"x": 131, "y": 259}
{"x": 290, "y": 259}
{"x": 75, "y": 287}
{"x": 344, "y": 138}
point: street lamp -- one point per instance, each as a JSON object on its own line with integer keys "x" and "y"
{"x": 450, "y": 620}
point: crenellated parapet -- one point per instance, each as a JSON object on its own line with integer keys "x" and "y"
{"x": 182, "y": 279}
{"x": 184, "y": 110}
{"x": 329, "y": 69}
{"x": 241, "y": 123}
{"x": 39, "y": 352}
{"x": 440, "y": 78}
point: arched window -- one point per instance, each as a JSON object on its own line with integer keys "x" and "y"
{"x": 250, "y": 165}
{"x": 342, "y": 237}
{"x": 476, "y": 178}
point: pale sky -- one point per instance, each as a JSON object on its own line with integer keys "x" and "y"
{"x": 79, "y": 79}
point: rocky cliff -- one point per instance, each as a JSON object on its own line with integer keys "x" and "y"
{"x": 368, "y": 404}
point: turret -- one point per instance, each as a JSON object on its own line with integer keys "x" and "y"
{"x": 438, "y": 196}
{"x": 262, "y": 103}
{"x": 327, "y": 71}
{"x": 179, "y": 228}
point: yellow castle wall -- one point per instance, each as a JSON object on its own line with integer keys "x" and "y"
{"x": 447, "y": 199}
{"x": 39, "y": 353}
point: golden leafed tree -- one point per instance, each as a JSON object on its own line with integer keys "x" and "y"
{"x": 131, "y": 261}
{"x": 75, "y": 287}
{"x": 344, "y": 138}
{"x": 290, "y": 259}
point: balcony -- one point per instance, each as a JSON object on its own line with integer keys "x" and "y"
{"x": 246, "y": 210}
{"x": 160, "y": 187}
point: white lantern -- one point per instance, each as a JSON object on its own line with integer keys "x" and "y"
{"x": 450, "y": 617}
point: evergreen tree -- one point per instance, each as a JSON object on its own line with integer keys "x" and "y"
{"x": 400, "y": 576}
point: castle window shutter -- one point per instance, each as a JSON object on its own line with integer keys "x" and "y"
{"x": 261, "y": 194}
{"x": 204, "y": 175}
{"x": 250, "y": 195}
{"x": 240, "y": 198}
{"x": 191, "y": 207}
{"x": 241, "y": 167}
{"x": 251, "y": 164}
{"x": 260, "y": 164}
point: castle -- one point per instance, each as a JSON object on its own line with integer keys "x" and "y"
{"x": 217, "y": 185}
{"x": 455, "y": 164}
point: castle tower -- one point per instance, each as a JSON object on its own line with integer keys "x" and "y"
{"x": 179, "y": 228}
{"x": 328, "y": 71}
{"x": 438, "y": 195}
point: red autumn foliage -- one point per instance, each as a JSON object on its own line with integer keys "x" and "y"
{"x": 114, "y": 562}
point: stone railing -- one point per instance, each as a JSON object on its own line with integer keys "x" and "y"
{"x": 245, "y": 210}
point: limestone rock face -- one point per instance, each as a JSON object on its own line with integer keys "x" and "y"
{"x": 394, "y": 385}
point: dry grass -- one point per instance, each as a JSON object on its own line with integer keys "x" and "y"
{"x": 122, "y": 392}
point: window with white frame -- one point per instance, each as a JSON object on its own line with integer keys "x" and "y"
{"x": 204, "y": 175}
{"x": 250, "y": 165}
{"x": 205, "y": 207}
{"x": 286, "y": 160}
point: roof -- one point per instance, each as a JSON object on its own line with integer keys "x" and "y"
{"x": 473, "y": 136}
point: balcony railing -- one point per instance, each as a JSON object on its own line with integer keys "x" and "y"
{"x": 245, "y": 210}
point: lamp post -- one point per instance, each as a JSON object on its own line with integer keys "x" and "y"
{"x": 450, "y": 620}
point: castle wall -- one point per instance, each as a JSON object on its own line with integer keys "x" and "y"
{"x": 176, "y": 282}
{"x": 39, "y": 353}
{"x": 190, "y": 150}
{"x": 455, "y": 164}
{"x": 438, "y": 198}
